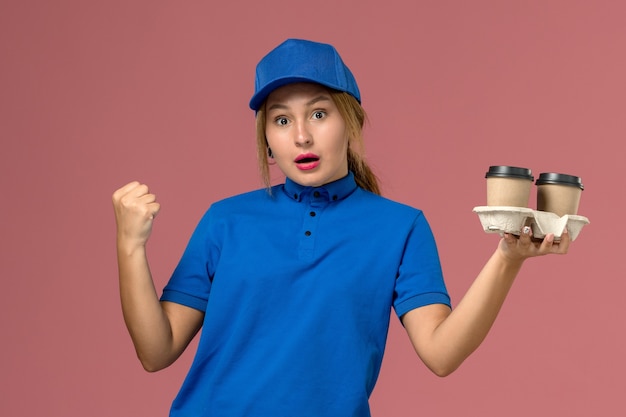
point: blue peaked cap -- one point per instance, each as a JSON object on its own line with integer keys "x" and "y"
{"x": 297, "y": 60}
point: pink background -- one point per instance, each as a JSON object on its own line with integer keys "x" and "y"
{"x": 95, "y": 94}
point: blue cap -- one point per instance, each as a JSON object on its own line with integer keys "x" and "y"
{"x": 297, "y": 60}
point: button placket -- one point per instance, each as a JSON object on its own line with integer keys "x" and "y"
{"x": 316, "y": 202}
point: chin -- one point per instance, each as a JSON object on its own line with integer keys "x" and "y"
{"x": 308, "y": 180}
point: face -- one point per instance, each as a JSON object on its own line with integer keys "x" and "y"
{"x": 307, "y": 134}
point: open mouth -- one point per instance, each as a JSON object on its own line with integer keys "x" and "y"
{"x": 307, "y": 161}
{"x": 307, "y": 158}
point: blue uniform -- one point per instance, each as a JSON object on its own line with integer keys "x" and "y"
{"x": 297, "y": 289}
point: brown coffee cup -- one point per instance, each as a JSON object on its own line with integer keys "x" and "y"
{"x": 558, "y": 193}
{"x": 508, "y": 186}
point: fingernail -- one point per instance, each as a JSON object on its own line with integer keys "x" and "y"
{"x": 526, "y": 230}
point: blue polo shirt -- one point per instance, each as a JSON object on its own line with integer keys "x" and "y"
{"x": 297, "y": 289}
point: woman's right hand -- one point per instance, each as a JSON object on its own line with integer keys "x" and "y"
{"x": 160, "y": 331}
{"x": 135, "y": 210}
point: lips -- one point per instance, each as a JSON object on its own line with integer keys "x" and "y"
{"x": 307, "y": 161}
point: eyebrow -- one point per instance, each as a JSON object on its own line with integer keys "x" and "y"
{"x": 310, "y": 103}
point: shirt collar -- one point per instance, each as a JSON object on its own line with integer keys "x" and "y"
{"x": 336, "y": 190}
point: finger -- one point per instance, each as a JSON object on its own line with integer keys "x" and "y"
{"x": 122, "y": 191}
{"x": 137, "y": 195}
{"x": 510, "y": 240}
{"x": 138, "y": 191}
{"x": 147, "y": 198}
{"x": 145, "y": 206}
{"x": 562, "y": 246}
{"x": 525, "y": 237}
{"x": 547, "y": 244}
{"x": 154, "y": 208}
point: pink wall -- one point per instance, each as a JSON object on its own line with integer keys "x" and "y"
{"x": 95, "y": 94}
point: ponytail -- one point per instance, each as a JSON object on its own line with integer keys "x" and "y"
{"x": 354, "y": 116}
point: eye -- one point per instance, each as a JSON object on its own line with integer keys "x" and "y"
{"x": 319, "y": 114}
{"x": 281, "y": 121}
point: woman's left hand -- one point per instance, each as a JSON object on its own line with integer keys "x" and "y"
{"x": 519, "y": 248}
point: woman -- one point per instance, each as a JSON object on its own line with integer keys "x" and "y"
{"x": 293, "y": 284}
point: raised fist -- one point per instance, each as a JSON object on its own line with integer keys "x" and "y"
{"x": 135, "y": 209}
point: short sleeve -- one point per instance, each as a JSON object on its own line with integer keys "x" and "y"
{"x": 190, "y": 283}
{"x": 420, "y": 278}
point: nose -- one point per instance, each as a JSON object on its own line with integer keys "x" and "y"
{"x": 303, "y": 136}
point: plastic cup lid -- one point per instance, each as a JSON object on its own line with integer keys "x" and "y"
{"x": 559, "y": 179}
{"x": 509, "y": 172}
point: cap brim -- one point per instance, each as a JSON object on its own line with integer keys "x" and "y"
{"x": 257, "y": 100}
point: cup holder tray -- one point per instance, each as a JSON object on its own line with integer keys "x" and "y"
{"x": 504, "y": 219}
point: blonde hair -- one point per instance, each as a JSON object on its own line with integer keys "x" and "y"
{"x": 354, "y": 116}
